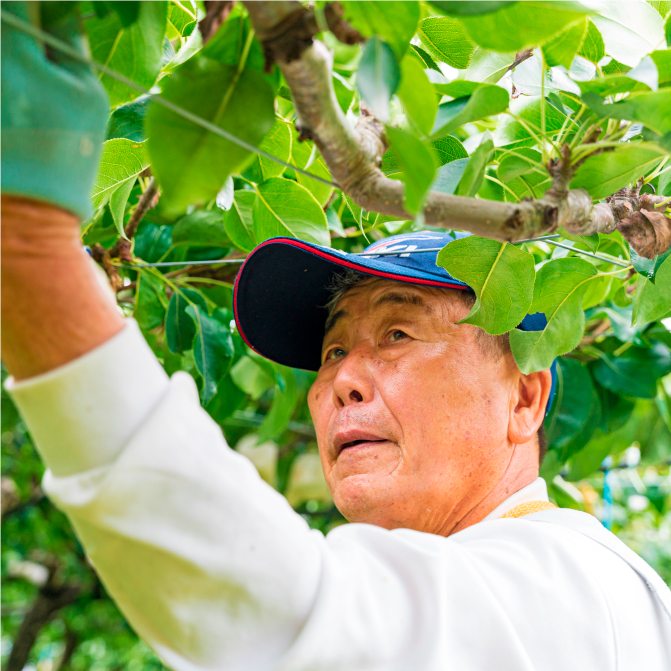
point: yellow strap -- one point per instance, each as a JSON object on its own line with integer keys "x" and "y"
{"x": 528, "y": 508}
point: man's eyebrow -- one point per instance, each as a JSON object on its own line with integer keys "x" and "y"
{"x": 402, "y": 298}
{"x": 333, "y": 318}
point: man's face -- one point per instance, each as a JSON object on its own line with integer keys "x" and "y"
{"x": 411, "y": 412}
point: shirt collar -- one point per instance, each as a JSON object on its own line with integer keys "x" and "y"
{"x": 535, "y": 491}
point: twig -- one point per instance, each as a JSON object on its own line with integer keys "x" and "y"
{"x": 122, "y": 249}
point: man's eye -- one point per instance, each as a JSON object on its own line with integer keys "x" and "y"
{"x": 335, "y": 353}
{"x": 397, "y": 335}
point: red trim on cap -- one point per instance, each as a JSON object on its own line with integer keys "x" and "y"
{"x": 338, "y": 261}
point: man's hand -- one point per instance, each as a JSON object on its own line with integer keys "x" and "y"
{"x": 53, "y": 120}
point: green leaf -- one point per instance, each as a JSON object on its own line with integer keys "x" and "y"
{"x": 630, "y": 30}
{"x": 520, "y": 162}
{"x": 121, "y": 162}
{"x": 459, "y": 88}
{"x": 652, "y": 109}
{"x": 418, "y": 165}
{"x": 127, "y": 121}
{"x": 501, "y": 275}
{"x": 475, "y": 170}
{"x": 250, "y": 376}
{"x": 470, "y": 8}
{"x": 662, "y": 60}
{"x": 608, "y": 86}
{"x": 590, "y": 241}
{"x": 592, "y": 45}
{"x": 212, "y": 347}
{"x": 202, "y": 228}
{"x": 487, "y": 100}
{"x": 449, "y": 175}
{"x": 653, "y": 301}
{"x": 305, "y": 155}
{"x": 448, "y": 149}
{"x": 283, "y": 405}
{"x": 561, "y": 50}
{"x": 182, "y": 17}
{"x": 528, "y": 109}
{"x": 424, "y": 57}
{"x": 378, "y": 77}
{"x": 604, "y": 174}
{"x": 417, "y": 95}
{"x": 226, "y": 401}
{"x": 667, "y": 30}
{"x": 574, "y": 404}
{"x": 135, "y": 51}
{"x": 191, "y": 163}
{"x": 560, "y": 286}
{"x": 394, "y": 22}
{"x": 239, "y": 222}
{"x": 488, "y": 67}
{"x": 277, "y": 143}
{"x": 149, "y": 309}
{"x": 648, "y": 267}
{"x": 523, "y": 24}
{"x": 283, "y": 207}
{"x": 446, "y": 40}
{"x": 634, "y": 373}
{"x": 229, "y": 44}
{"x": 179, "y": 327}
{"x": 117, "y": 205}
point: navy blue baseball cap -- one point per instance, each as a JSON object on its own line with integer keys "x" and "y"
{"x": 283, "y": 287}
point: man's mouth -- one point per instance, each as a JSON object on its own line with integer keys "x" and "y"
{"x": 348, "y": 440}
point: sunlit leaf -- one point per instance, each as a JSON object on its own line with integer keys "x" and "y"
{"x": 560, "y": 286}
{"x": 522, "y": 24}
{"x": 135, "y": 51}
{"x": 417, "y": 95}
{"x": 418, "y": 165}
{"x": 395, "y": 22}
{"x": 475, "y": 170}
{"x": 283, "y": 207}
{"x": 501, "y": 275}
{"x": 378, "y": 76}
{"x": 190, "y": 162}
{"x": 487, "y": 100}
{"x": 602, "y": 175}
{"x": 446, "y": 40}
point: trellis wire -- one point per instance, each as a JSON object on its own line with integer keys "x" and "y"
{"x": 73, "y": 53}
{"x": 551, "y": 239}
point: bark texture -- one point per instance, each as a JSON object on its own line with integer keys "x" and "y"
{"x": 353, "y": 155}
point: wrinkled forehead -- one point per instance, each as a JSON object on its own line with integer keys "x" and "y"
{"x": 374, "y": 295}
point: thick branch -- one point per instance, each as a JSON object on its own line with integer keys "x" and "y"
{"x": 51, "y": 598}
{"x": 353, "y": 155}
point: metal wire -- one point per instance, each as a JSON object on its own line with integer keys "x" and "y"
{"x": 73, "y": 53}
{"x": 606, "y": 259}
{"x": 546, "y": 238}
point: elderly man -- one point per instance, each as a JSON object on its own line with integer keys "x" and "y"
{"x": 427, "y": 431}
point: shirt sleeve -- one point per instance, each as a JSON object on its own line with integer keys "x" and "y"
{"x": 213, "y": 568}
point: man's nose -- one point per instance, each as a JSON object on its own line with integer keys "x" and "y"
{"x": 354, "y": 381}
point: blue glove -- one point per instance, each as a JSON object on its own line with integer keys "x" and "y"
{"x": 54, "y": 113}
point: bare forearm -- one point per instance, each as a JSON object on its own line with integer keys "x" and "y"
{"x": 53, "y": 307}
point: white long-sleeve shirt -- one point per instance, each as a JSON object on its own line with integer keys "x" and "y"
{"x": 215, "y": 571}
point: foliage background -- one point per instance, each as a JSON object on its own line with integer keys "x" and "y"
{"x": 420, "y": 71}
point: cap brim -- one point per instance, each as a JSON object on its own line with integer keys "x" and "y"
{"x": 282, "y": 290}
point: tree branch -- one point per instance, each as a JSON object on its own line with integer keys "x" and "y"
{"x": 353, "y": 155}
{"x": 53, "y": 596}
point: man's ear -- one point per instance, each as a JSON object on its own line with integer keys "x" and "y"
{"x": 528, "y": 405}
